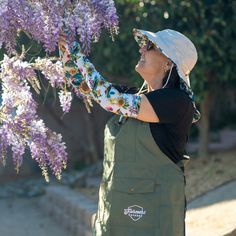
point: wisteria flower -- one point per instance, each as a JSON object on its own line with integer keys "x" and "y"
{"x": 65, "y": 100}
{"x": 43, "y": 19}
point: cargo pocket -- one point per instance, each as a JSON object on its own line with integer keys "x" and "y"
{"x": 135, "y": 206}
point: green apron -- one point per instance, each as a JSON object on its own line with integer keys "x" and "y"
{"x": 142, "y": 192}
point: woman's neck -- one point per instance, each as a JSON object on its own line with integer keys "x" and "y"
{"x": 155, "y": 84}
{"x": 154, "y": 81}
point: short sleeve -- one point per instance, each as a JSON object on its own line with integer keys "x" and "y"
{"x": 169, "y": 104}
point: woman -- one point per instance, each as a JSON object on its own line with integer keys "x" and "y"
{"x": 142, "y": 191}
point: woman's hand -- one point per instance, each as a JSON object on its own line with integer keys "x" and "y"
{"x": 67, "y": 52}
{"x": 64, "y": 51}
{"x": 68, "y": 56}
{"x": 62, "y": 38}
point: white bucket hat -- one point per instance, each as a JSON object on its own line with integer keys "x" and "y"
{"x": 179, "y": 49}
{"x": 174, "y": 45}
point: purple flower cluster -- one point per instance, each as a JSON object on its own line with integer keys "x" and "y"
{"x": 21, "y": 127}
{"x": 43, "y": 19}
{"x": 94, "y": 15}
{"x": 65, "y": 100}
{"x": 52, "y": 71}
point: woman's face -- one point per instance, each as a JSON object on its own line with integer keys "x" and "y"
{"x": 152, "y": 63}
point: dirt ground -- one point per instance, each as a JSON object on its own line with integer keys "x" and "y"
{"x": 204, "y": 174}
{"x": 22, "y": 217}
{"x": 213, "y": 212}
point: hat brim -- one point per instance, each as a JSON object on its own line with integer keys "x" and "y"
{"x": 142, "y": 36}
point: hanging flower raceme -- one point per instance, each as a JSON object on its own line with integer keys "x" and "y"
{"x": 21, "y": 127}
{"x": 65, "y": 100}
{"x": 43, "y": 19}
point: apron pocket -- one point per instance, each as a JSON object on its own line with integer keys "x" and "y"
{"x": 135, "y": 204}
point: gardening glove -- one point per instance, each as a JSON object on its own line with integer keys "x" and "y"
{"x": 102, "y": 91}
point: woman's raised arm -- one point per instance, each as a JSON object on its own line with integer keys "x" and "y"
{"x": 102, "y": 91}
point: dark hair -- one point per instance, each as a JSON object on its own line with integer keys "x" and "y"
{"x": 174, "y": 80}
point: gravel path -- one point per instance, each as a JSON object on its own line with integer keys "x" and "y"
{"x": 22, "y": 217}
{"x": 214, "y": 213}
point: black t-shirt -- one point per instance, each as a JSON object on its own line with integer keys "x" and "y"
{"x": 175, "y": 111}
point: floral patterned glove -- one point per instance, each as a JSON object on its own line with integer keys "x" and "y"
{"x": 103, "y": 92}
{"x": 72, "y": 74}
